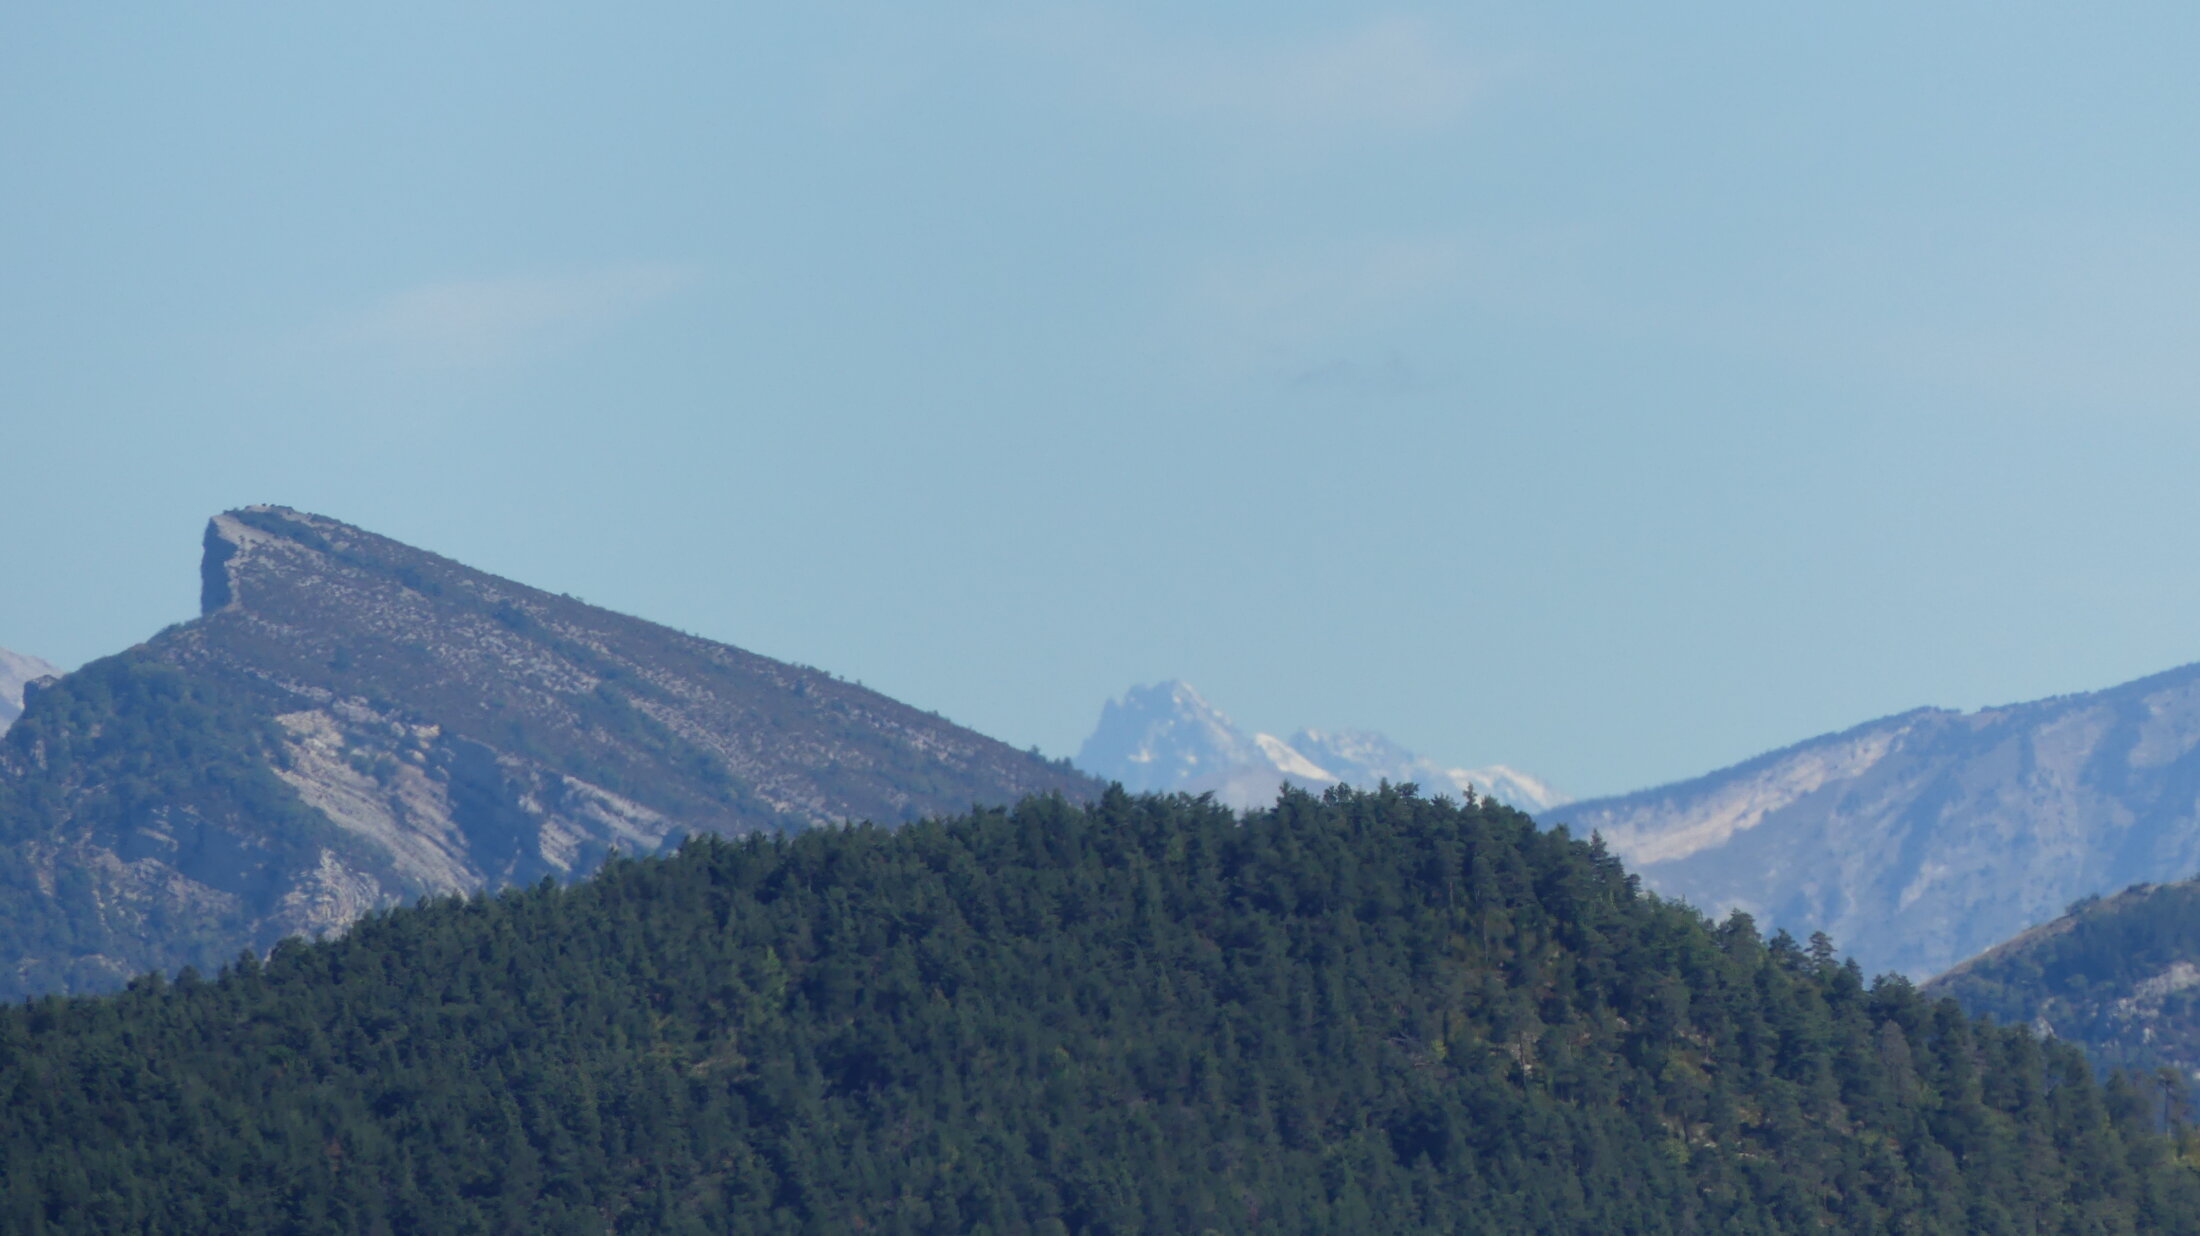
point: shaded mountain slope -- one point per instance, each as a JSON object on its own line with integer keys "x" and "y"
{"x": 1359, "y": 1013}
{"x": 352, "y": 722}
{"x": 2117, "y": 975}
{"x": 1921, "y": 839}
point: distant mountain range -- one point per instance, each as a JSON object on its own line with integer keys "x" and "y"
{"x": 353, "y": 722}
{"x": 1921, "y": 839}
{"x": 16, "y": 670}
{"x": 1166, "y": 737}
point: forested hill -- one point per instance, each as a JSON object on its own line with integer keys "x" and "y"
{"x": 1358, "y": 1013}
{"x": 2119, "y": 975}
{"x": 352, "y": 722}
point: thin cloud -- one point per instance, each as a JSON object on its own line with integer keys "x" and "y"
{"x": 1298, "y": 300}
{"x": 1392, "y": 374}
{"x": 2087, "y": 313}
{"x": 1295, "y": 311}
{"x": 481, "y": 323}
{"x": 1392, "y": 75}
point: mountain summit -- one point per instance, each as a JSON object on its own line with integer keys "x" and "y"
{"x": 1166, "y": 736}
{"x": 353, "y": 722}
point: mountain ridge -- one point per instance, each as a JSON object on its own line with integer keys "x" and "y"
{"x": 1921, "y": 838}
{"x": 2118, "y": 975}
{"x": 371, "y": 722}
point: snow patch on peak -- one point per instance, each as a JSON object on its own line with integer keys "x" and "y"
{"x": 1290, "y": 762}
{"x": 1513, "y": 786}
{"x": 1365, "y": 758}
{"x": 1167, "y": 737}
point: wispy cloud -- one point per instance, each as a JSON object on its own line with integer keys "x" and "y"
{"x": 1390, "y": 75}
{"x": 2077, "y": 312}
{"x": 482, "y": 323}
{"x": 1296, "y": 309}
{"x": 1322, "y": 290}
{"x": 1305, "y": 312}
{"x": 1296, "y": 316}
{"x": 1391, "y": 374}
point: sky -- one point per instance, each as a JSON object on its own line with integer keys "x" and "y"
{"x": 1614, "y": 394}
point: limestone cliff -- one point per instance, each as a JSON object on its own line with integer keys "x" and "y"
{"x": 353, "y": 722}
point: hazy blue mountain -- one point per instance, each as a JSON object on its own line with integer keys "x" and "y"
{"x": 1167, "y": 737}
{"x": 1920, "y": 839}
{"x": 16, "y": 670}
{"x": 353, "y": 722}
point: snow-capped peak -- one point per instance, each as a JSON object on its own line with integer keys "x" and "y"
{"x": 1166, "y": 736}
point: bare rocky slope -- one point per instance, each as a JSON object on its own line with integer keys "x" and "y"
{"x": 1921, "y": 839}
{"x": 352, "y": 722}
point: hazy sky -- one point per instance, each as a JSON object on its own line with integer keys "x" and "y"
{"x": 1610, "y": 393}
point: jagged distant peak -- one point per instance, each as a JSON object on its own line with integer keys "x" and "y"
{"x": 1175, "y": 700}
{"x": 1163, "y": 736}
{"x": 1167, "y": 736}
{"x": 19, "y": 668}
{"x": 16, "y": 670}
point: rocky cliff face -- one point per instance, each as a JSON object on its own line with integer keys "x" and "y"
{"x": 16, "y": 670}
{"x": 1921, "y": 839}
{"x": 353, "y": 722}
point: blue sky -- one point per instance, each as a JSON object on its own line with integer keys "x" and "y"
{"x": 1608, "y": 393}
